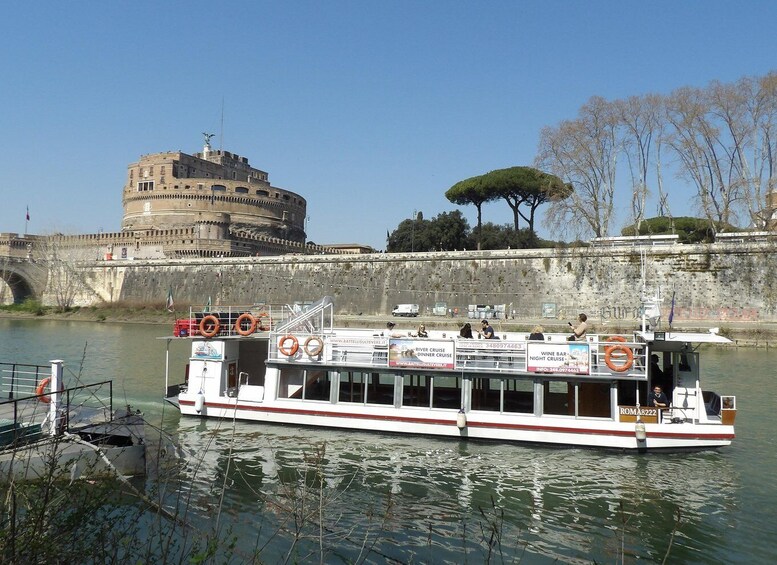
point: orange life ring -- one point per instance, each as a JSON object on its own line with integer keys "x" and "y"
{"x": 261, "y": 327}
{"x": 41, "y": 389}
{"x": 288, "y": 351}
{"x": 616, "y": 338}
{"x": 608, "y": 351}
{"x": 245, "y": 317}
{"x": 213, "y": 322}
{"x": 319, "y": 346}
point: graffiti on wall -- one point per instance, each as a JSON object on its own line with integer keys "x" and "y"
{"x": 683, "y": 313}
{"x": 722, "y": 313}
{"x": 620, "y": 312}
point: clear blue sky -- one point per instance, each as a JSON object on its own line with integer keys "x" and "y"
{"x": 369, "y": 109}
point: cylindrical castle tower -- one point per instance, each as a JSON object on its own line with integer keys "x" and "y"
{"x": 175, "y": 190}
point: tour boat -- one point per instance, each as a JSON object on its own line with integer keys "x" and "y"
{"x": 49, "y": 431}
{"x": 294, "y": 367}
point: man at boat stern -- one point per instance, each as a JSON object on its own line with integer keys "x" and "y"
{"x": 657, "y": 398}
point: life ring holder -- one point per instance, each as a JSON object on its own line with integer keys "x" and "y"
{"x": 316, "y": 349}
{"x": 609, "y": 350}
{"x": 209, "y": 326}
{"x": 41, "y": 389}
{"x": 290, "y": 350}
{"x": 260, "y": 325}
{"x": 245, "y": 317}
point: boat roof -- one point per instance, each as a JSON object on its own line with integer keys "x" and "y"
{"x": 682, "y": 337}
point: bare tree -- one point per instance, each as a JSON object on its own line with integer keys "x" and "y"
{"x": 62, "y": 255}
{"x": 583, "y": 152}
{"x": 747, "y": 110}
{"x": 705, "y": 157}
{"x": 641, "y": 117}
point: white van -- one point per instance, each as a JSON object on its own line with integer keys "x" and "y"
{"x": 405, "y": 310}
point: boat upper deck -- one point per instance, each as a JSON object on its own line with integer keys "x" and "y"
{"x": 512, "y": 354}
{"x": 308, "y": 338}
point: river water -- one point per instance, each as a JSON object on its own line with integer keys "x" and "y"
{"x": 423, "y": 500}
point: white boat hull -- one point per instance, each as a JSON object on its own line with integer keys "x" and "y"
{"x": 485, "y": 426}
{"x": 64, "y": 458}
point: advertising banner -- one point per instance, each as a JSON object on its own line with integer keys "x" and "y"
{"x": 437, "y": 354}
{"x": 545, "y": 357}
{"x": 208, "y": 349}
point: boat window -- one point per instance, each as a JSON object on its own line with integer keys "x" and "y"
{"x": 351, "y": 387}
{"x": 503, "y": 395}
{"x": 317, "y": 385}
{"x": 380, "y": 388}
{"x": 628, "y": 391}
{"x": 487, "y": 394}
{"x": 416, "y": 390}
{"x": 290, "y": 383}
{"x": 558, "y": 398}
{"x": 446, "y": 392}
{"x": 518, "y": 396}
{"x": 687, "y": 369}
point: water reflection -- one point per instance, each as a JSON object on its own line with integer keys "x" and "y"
{"x": 564, "y": 504}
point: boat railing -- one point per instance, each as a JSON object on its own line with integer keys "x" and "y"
{"x": 595, "y": 357}
{"x": 21, "y": 378}
{"x": 316, "y": 318}
{"x": 80, "y": 406}
{"x": 232, "y": 320}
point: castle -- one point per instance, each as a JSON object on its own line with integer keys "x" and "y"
{"x": 216, "y": 192}
{"x": 176, "y": 205}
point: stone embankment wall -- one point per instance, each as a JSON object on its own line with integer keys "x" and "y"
{"x": 726, "y": 282}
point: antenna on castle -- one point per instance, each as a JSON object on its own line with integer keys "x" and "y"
{"x": 221, "y": 135}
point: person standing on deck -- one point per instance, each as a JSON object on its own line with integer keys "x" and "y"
{"x": 578, "y": 332}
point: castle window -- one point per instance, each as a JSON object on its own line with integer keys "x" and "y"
{"x": 241, "y": 190}
{"x": 262, "y": 193}
{"x": 145, "y": 186}
{"x": 220, "y": 187}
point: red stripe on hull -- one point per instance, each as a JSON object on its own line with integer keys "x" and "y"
{"x": 470, "y": 423}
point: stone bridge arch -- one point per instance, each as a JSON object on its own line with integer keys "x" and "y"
{"x": 24, "y": 279}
